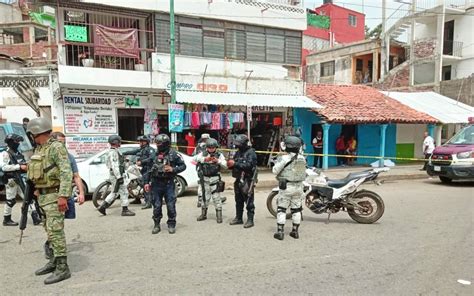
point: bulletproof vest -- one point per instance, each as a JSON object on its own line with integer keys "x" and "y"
{"x": 240, "y": 157}
{"x": 41, "y": 169}
{"x": 295, "y": 171}
{"x": 158, "y": 169}
{"x": 211, "y": 169}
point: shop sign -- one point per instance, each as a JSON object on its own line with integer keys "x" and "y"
{"x": 249, "y": 113}
{"x": 175, "y": 117}
{"x": 89, "y": 115}
{"x": 82, "y": 147}
{"x": 216, "y": 87}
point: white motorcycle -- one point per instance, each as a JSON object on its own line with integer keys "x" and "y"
{"x": 323, "y": 195}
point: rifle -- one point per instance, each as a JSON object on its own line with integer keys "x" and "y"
{"x": 203, "y": 187}
{"x": 252, "y": 183}
{"x": 29, "y": 189}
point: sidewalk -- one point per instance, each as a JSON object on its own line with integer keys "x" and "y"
{"x": 402, "y": 172}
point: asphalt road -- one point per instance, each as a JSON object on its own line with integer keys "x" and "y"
{"x": 421, "y": 246}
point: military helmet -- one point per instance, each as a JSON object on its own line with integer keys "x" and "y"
{"x": 38, "y": 126}
{"x": 212, "y": 143}
{"x": 143, "y": 138}
{"x": 163, "y": 142}
{"x": 115, "y": 140}
{"x": 241, "y": 141}
{"x": 205, "y": 136}
{"x": 292, "y": 144}
{"x": 12, "y": 138}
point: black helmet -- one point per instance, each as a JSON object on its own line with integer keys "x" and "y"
{"x": 212, "y": 143}
{"x": 115, "y": 140}
{"x": 241, "y": 141}
{"x": 144, "y": 139}
{"x": 163, "y": 142}
{"x": 292, "y": 144}
{"x": 13, "y": 141}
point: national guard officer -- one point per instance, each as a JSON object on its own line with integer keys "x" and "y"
{"x": 116, "y": 164}
{"x": 210, "y": 163}
{"x": 49, "y": 169}
{"x": 145, "y": 158}
{"x": 13, "y": 161}
{"x": 290, "y": 171}
{"x": 167, "y": 164}
{"x": 244, "y": 170}
{"x": 200, "y": 147}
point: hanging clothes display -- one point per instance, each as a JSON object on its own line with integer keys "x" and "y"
{"x": 195, "y": 120}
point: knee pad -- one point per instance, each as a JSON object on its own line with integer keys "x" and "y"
{"x": 281, "y": 210}
{"x": 297, "y": 210}
{"x": 11, "y": 202}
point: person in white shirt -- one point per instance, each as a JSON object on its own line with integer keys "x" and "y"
{"x": 428, "y": 147}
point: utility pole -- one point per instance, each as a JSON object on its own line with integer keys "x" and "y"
{"x": 172, "y": 66}
{"x": 384, "y": 44}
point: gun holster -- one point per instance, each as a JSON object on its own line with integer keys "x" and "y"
{"x": 220, "y": 186}
{"x": 282, "y": 184}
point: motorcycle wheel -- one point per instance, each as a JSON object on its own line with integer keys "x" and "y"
{"x": 373, "y": 207}
{"x": 101, "y": 193}
{"x": 272, "y": 206}
{"x": 135, "y": 190}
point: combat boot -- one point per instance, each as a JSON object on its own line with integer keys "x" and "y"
{"x": 48, "y": 252}
{"x": 219, "y": 216}
{"x": 236, "y": 221}
{"x": 156, "y": 228}
{"x": 171, "y": 229}
{"x": 147, "y": 205}
{"x": 249, "y": 222}
{"x": 203, "y": 215}
{"x": 35, "y": 217}
{"x": 137, "y": 201}
{"x": 280, "y": 235}
{"x": 7, "y": 221}
{"x": 48, "y": 268}
{"x": 294, "y": 232}
{"x": 103, "y": 207}
{"x": 61, "y": 272}
{"x": 127, "y": 212}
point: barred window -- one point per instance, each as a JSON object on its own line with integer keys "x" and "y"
{"x": 327, "y": 69}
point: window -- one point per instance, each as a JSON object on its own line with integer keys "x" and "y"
{"x": 213, "y": 39}
{"x": 162, "y": 31}
{"x": 327, "y": 69}
{"x": 447, "y": 72}
{"x": 359, "y": 64}
{"x": 235, "y": 44}
{"x": 275, "y": 43}
{"x": 190, "y": 40}
{"x": 255, "y": 46}
{"x": 352, "y": 20}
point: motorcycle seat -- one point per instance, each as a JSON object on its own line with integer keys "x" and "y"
{"x": 338, "y": 183}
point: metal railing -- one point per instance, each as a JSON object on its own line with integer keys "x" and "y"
{"x": 452, "y": 48}
{"x": 284, "y": 2}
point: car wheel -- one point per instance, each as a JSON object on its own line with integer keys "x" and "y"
{"x": 75, "y": 190}
{"x": 180, "y": 186}
{"x": 445, "y": 180}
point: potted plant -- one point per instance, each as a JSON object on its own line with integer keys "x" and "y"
{"x": 140, "y": 65}
{"x": 85, "y": 59}
{"x": 110, "y": 62}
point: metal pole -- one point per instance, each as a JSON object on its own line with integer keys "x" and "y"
{"x": 384, "y": 56}
{"x": 172, "y": 66}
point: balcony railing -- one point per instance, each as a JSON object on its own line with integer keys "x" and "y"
{"x": 452, "y": 48}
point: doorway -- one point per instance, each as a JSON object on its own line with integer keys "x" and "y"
{"x": 130, "y": 123}
{"x": 448, "y": 42}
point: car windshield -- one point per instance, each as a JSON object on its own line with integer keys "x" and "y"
{"x": 464, "y": 137}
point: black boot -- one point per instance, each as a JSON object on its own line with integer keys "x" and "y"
{"x": 219, "y": 216}
{"x": 249, "y": 222}
{"x": 127, "y": 212}
{"x": 203, "y": 215}
{"x": 236, "y": 221}
{"x": 147, "y": 205}
{"x": 35, "y": 218}
{"x": 48, "y": 268}
{"x": 7, "y": 221}
{"x": 156, "y": 228}
{"x": 171, "y": 229}
{"x": 103, "y": 207}
{"x": 294, "y": 232}
{"x": 61, "y": 272}
{"x": 48, "y": 252}
{"x": 280, "y": 235}
{"x": 137, "y": 201}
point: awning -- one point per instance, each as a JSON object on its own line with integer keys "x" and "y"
{"x": 245, "y": 99}
{"x": 445, "y": 109}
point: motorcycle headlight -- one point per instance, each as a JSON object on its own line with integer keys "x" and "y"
{"x": 464, "y": 155}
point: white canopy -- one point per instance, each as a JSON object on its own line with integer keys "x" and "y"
{"x": 245, "y": 99}
{"x": 438, "y": 106}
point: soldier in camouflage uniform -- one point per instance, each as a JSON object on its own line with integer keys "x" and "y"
{"x": 49, "y": 169}
{"x": 291, "y": 172}
{"x": 200, "y": 147}
{"x": 116, "y": 164}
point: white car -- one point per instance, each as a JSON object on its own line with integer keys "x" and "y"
{"x": 93, "y": 171}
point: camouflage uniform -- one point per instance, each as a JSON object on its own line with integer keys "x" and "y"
{"x": 115, "y": 164}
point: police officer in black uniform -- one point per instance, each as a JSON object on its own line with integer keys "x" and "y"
{"x": 244, "y": 169}
{"x": 160, "y": 180}
{"x": 145, "y": 155}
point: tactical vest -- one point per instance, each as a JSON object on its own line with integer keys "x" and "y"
{"x": 294, "y": 172}
{"x": 211, "y": 169}
{"x": 41, "y": 169}
{"x": 15, "y": 158}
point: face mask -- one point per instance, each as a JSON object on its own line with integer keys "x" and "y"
{"x": 14, "y": 146}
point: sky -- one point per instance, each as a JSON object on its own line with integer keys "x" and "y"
{"x": 371, "y": 8}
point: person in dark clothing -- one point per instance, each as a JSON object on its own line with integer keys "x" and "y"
{"x": 160, "y": 181}
{"x": 244, "y": 169}
{"x": 145, "y": 155}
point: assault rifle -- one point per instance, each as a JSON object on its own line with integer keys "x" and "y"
{"x": 252, "y": 182}
{"x": 201, "y": 181}
{"x": 28, "y": 191}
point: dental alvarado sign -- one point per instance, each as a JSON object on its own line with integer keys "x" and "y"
{"x": 89, "y": 115}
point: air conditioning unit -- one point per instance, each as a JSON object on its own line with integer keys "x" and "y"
{"x": 48, "y": 10}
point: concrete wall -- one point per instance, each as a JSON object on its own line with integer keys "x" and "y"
{"x": 281, "y": 16}
{"x": 412, "y": 134}
{"x": 461, "y": 89}
{"x": 9, "y": 13}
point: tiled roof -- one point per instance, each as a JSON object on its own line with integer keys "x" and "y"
{"x": 361, "y": 104}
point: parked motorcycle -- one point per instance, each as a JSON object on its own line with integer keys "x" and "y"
{"x": 324, "y": 195}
